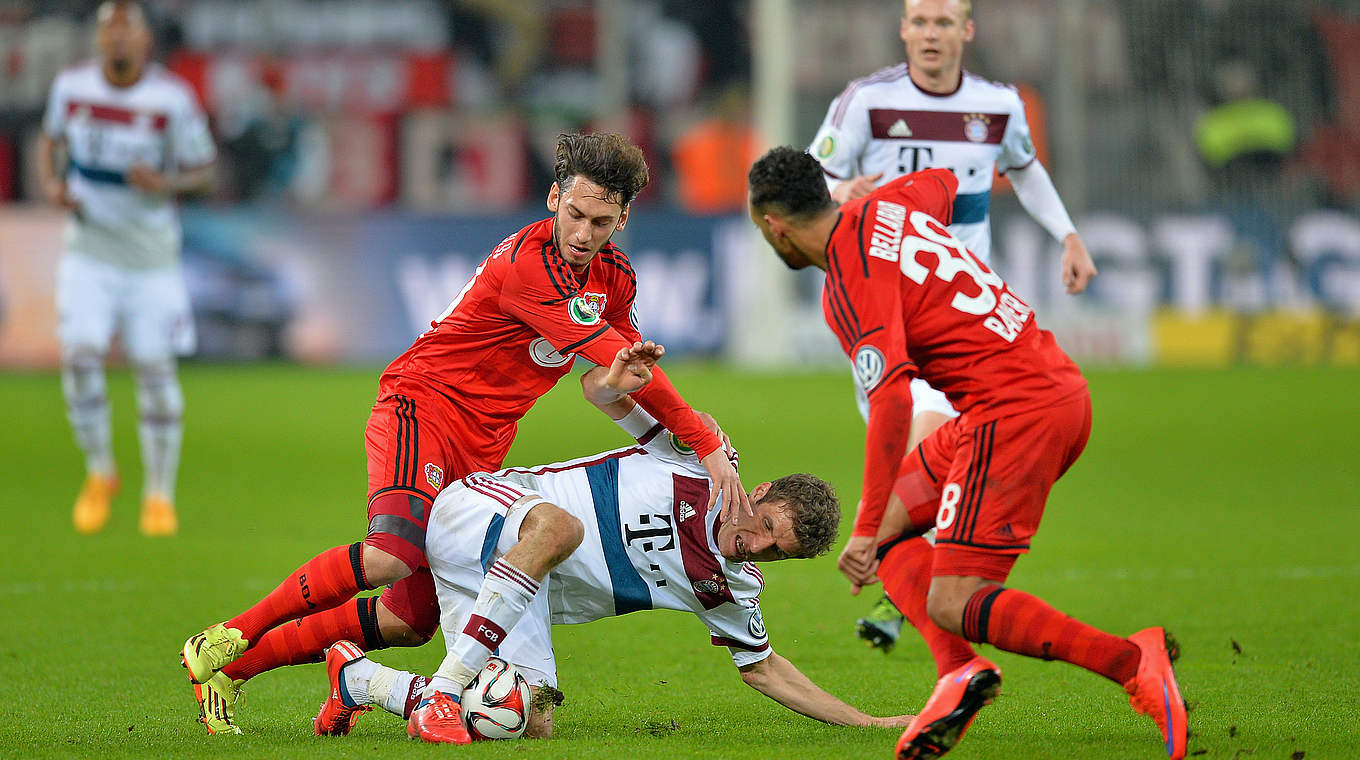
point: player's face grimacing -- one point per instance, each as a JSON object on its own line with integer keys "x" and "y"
{"x": 934, "y": 32}
{"x": 586, "y": 215}
{"x": 764, "y": 538}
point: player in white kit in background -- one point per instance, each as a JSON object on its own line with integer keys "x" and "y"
{"x": 518, "y": 550}
{"x": 131, "y": 137}
{"x": 928, "y": 112}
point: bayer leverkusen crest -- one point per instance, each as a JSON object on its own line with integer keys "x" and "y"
{"x": 595, "y": 301}
{"x": 587, "y": 308}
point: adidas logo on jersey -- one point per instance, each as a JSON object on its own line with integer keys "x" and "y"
{"x": 899, "y": 129}
{"x": 686, "y": 511}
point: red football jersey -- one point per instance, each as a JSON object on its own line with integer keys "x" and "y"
{"x": 511, "y": 334}
{"x": 907, "y": 299}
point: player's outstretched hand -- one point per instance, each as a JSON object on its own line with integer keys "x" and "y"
{"x": 894, "y": 721}
{"x": 859, "y": 563}
{"x": 735, "y": 500}
{"x": 631, "y": 369}
{"x": 1077, "y": 268}
{"x": 855, "y": 187}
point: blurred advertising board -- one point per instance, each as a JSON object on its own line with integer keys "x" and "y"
{"x": 1174, "y": 288}
{"x": 362, "y": 288}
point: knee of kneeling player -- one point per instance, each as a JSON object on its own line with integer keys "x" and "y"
{"x": 545, "y": 699}
{"x": 540, "y": 724}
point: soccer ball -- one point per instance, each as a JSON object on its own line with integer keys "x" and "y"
{"x": 496, "y": 703}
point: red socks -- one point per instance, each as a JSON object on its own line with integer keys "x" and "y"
{"x": 323, "y": 582}
{"x": 905, "y": 572}
{"x": 306, "y": 639}
{"x": 1018, "y": 622}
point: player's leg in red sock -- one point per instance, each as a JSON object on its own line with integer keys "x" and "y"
{"x": 325, "y": 581}
{"x": 306, "y": 639}
{"x": 905, "y": 572}
{"x": 974, "y": 604}
{"x": 1018, "y": 622}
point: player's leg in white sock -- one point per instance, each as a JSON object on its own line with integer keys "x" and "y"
{"x": 160, "y": 408}
{"x": 87, "y": 406}
{"x": 547, "y": 536}
{"x": 370, "y": 683}
{"x": 505, "y": 595}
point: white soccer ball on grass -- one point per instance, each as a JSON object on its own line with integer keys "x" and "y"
{"x": 496, "y": 703}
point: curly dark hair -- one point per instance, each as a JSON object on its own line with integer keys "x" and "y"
{"x": 814, "y": 507}
{"x": 791, "y": 181}
{"x": 605, "y": 158}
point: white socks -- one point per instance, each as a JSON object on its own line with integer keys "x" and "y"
{"x": 369, "y": 683}
{"x": 506, "y": 593}
{"x": 160, "y": 408}
{"x": 87, "y": 406}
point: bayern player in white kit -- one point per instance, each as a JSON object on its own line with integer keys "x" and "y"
{"x": 518, "y": 550}
{"x": 928, "y": 112}
{"x": 132, "y": 137}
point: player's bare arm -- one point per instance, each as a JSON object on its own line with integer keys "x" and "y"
{"x": 778, "y": 679}
{"x": 53, "y": 184}
{"x": 608, "y": 387}
{"x": 1077, "y": 268}
{"x": 855, "y": 187}
{"x": 183, "y": 182}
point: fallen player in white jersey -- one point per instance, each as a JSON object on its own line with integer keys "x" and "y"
{"x": 515, "y": 551}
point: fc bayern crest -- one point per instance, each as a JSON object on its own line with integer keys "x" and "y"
{"x": 975, "y": 127}
{"x": 707, "y": 586}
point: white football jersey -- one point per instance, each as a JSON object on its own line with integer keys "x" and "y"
{"x": 649, "y": 542}
{"x": 885, "y": 123}
{"x": 155, "y": 122}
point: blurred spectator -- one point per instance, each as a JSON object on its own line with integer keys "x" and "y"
{"x": 1246, "y": 138}
{"x": 1334, "y": 149}
{"x": 260, "y": 143}
{"x": 712, "y": 157}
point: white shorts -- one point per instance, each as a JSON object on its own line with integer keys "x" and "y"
{"x": 147, "y": 308}
{"x": 926, "y": 399}
{"x": 923, "y": 399}
{"x": 470, "y": 528}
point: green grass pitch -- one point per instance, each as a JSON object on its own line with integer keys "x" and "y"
{"x": 1222, "y": 504}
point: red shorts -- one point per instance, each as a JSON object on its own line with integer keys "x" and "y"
{"x": 411, "y": 457}
{"x": 988, "y": 483}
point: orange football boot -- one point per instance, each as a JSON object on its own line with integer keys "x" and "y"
{"x": 1153, "y": 690}
{"x": 958, "y": 696}
{"x": 337, "y": 718}
{"x": 438, "y": 719}
{"x": 158, "y": 517}
{"x": 92, "y": 508}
